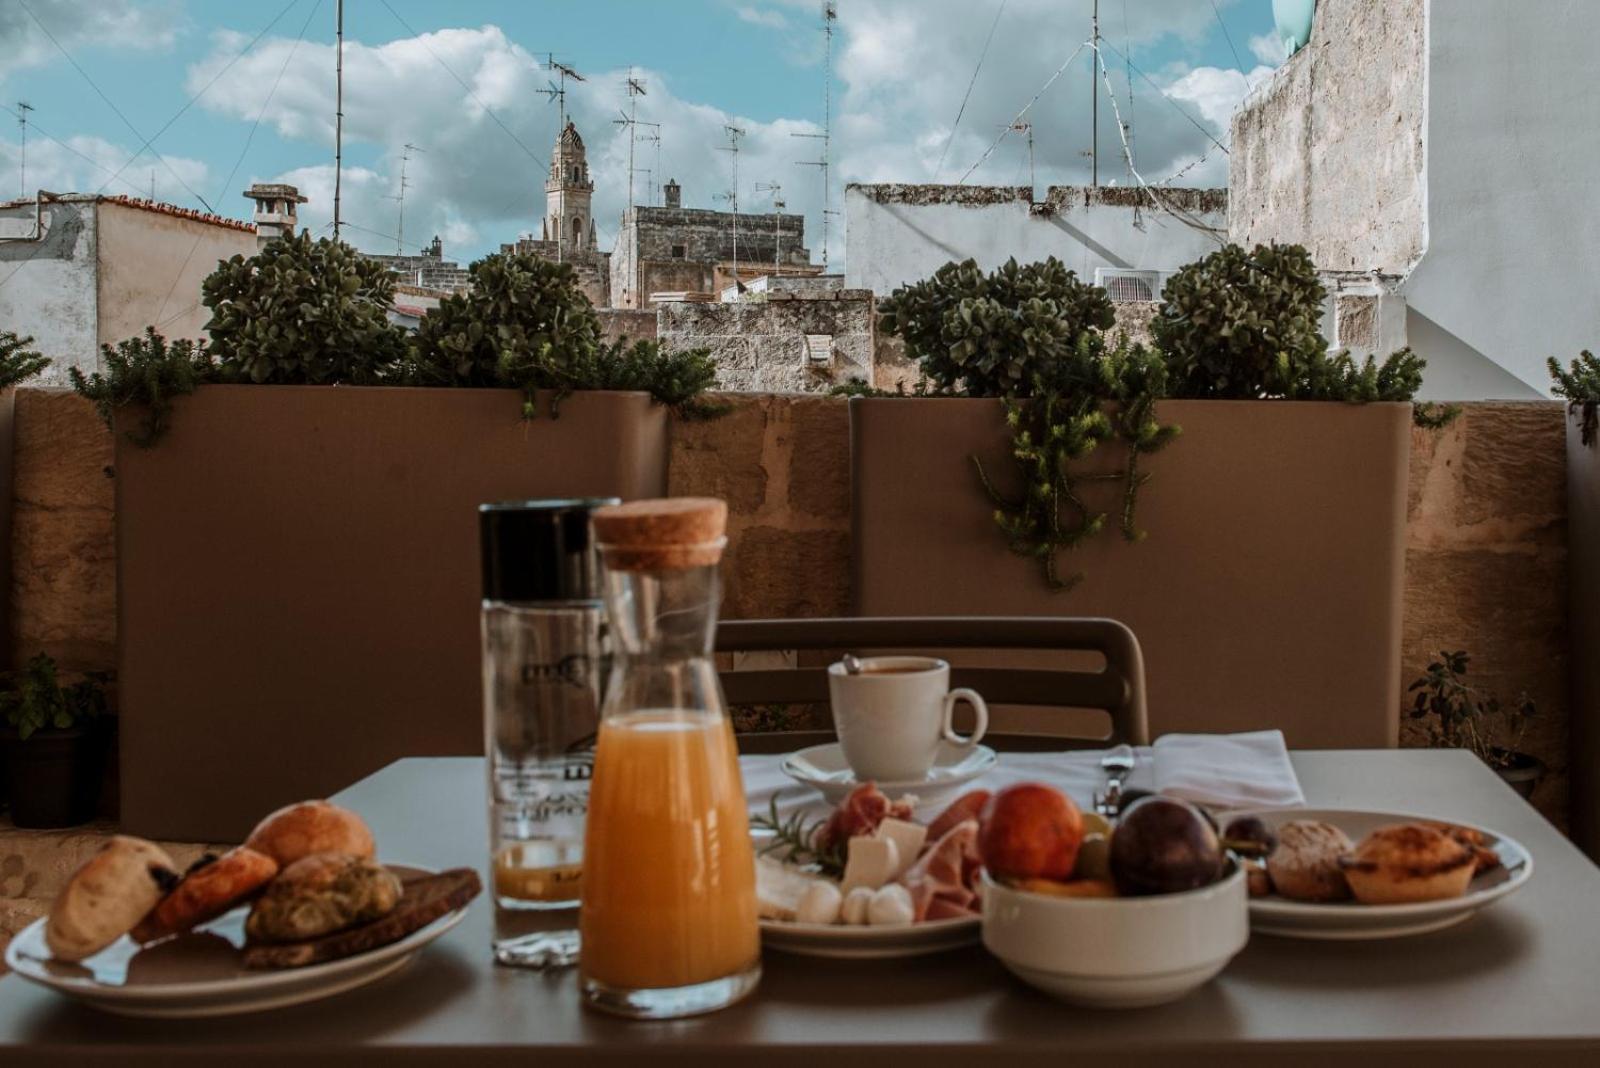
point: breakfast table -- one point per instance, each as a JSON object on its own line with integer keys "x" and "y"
{"x": 1515, "y": 984}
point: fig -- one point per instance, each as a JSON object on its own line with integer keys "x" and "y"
{"x": 1094, "y": 858}
{"x": 1248, "y": 836}
{"x": 1030, "y": 831}
{"x": 1164, "y": 846}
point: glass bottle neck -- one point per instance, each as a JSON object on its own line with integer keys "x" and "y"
{"x": 663, "y": 623}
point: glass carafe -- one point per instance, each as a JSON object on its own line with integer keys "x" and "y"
{"x": 669, "y": 909}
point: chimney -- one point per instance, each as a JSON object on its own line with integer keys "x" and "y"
{"x": 277, "y": 211}
{"x": 672, "y": 193}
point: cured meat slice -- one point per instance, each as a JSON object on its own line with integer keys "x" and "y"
{"x": 941, "y": 881}
{"x": 858, "y": 814}
{"x": 966, "y": 807}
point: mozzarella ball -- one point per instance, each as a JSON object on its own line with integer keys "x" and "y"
{"x": 819, "y": 903}
{"x": 890, "y": 907}
{"x": 854, "y": 909}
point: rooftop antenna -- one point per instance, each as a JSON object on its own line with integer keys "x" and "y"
{"x": 1094, "y": 97}
{"x": 777, "y": 221}
{"x": 558, "y": 92}
{"x": 830, "y": 14}
{"x": 1023, "y": 126}
{"x": 400, "y": 229}
{"x": 630, "y": 119}
{"x": 652, "y": 183}
{"x": 732, "y": 196}
{"x": 23, "y": 107}
{"x": 338, "y": 112}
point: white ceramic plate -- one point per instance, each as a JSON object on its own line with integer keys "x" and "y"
{"x": 1351, "y": 921}
{"x": 200, "y": 973}
{"x": 870, "y": 943}
{"x": 823, "y": 767}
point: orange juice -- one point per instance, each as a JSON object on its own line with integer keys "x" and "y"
{"x": 669, "y": 894}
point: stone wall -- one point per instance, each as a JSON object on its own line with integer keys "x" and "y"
{"x": 760, "y": 344}
{"x": 1485, "y": 565}
{"x": 627, "y": 324}
{"x": 663, "y": 250}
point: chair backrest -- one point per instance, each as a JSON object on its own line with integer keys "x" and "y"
{"x": 1117, "y": 689}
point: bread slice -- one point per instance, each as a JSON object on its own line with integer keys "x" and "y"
{"x": 426, "y": 898}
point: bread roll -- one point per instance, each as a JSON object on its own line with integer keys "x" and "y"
{"x": 1305, "y": 865}
{"x": 107, "y": 896}
{"x": 207, "y": 892}
{"x": 322, "y": 893}
{"x": 1408, "y": 862}
{"x": 308, "y": 827}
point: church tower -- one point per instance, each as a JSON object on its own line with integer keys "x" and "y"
{"x": 567, "y": 194}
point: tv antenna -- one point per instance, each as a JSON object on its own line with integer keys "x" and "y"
{"x": 830, "y": 15}
{"x": 1094, "y": 96}
{"x": 400, "y": 198}
{"x": 652, "y": 183}
{"x": 630, "y": 119}
{"x": 1023, "y": 126}
{"x": 558, "y": 90}
{"x": 23, "y": 107}
{"x": 338, "y": 111}
{"x": 732, "y": 195}
{"x": 777, "y": 221}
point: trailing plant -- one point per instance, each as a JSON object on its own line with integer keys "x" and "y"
{"x": 1466, "y": 717}
{"x": 148, "y": 372}
{"x": 34, "y": 699}
{"x": 1580, "y": 385}
{"x": 303, "y": 311}
{"x": 989, "y": 335}
{"x": 18, "y": 362}
{"x": 1247, "y": 325}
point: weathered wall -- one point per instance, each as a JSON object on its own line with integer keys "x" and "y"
{"x": 673, "y": 249}
{"x": 760, "y": 344}
{"x": 1486, "y": 543}
{"x": 903, "y": 233}
{"x": 1329, "y": 152}
{"x": 151, "y": 267}
{"x": 47, "y": 287}
{"x": 627, "y": 324}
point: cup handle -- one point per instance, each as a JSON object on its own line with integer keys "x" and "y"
{"x": 981, "y": 709}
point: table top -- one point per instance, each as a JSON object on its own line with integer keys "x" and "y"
{"x": 1515, "y": 984}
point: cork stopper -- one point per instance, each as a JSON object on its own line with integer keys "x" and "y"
{"x": 667, "y": 533}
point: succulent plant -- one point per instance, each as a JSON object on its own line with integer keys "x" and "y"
{"x": 1579, "y": 384}
{"x": 18, "y": 362}
{"x": 145, "y": 372}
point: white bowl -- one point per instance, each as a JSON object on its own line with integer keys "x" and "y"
{"x": 1117, "y": 952}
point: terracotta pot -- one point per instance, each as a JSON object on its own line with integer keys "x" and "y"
{"x": 1521, "y": 771}
{"x": 1267, "y": 593}
{"x": 1583, "y": 613}
{"x": 53, "y": 776}
{"x": 299, "y": 587}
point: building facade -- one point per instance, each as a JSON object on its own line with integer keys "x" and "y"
{"x": 567, "y": 231}
{"x": 428, "y": 270}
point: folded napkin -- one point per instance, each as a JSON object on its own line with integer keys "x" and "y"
{"x": 1249, "y": 770}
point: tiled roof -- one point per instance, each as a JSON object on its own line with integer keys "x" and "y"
{"x": 148, "y": 205}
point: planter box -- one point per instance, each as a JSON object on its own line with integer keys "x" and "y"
{"x": 1583, "y": 592}
{"x": 298, "y": 581}
{"x": 1267, "y": 594}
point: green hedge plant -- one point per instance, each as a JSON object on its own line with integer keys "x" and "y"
{"x": 303, "y": 311}
{"x": 147, "y": 372}
{"x": 18, "y": 360}
{"x": 1579, "y": 385}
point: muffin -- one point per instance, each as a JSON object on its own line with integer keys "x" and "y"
{"x": 1306, "y": 864}
{"x": 1409, "y": 862}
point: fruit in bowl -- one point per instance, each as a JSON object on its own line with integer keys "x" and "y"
{"x": 1164, "y": 846}
{"x": 1030, "y": 831}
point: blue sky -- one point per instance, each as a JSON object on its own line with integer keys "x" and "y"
{"x": 901, "y": 70}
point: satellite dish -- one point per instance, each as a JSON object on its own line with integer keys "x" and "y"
{"x": 1294, "y": 19}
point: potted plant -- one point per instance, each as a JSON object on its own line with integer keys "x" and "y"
{"x": 54, "y": 749}
{"x": 1042, "y": 472}
{"x": 1579, "y": 385}
{"x": 1461, "y": 716}
{"x": 297, "y": 548}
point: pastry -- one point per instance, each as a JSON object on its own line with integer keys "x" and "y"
{"x": 1256, "y": 879}
{"x": 107, "y": 896}
{"x": 1305, "y": 865}
{"x": 1407, "y": 862}
{"x": 308, "y": 827}
{"x": 207, "y": 890}
{"x": 1485, "y": 857}
{"x": 320, "y": 894}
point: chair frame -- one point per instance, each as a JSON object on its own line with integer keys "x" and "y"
{"x": 1118, "y": 689}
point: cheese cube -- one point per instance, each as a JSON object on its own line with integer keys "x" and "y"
{"x": 871, "y": 863}
{"x": 907, "y": 838}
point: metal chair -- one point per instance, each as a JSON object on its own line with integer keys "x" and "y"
{"x": 1117, "y": 689}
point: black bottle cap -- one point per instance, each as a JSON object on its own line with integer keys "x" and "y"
{"x": 539, "y": 550}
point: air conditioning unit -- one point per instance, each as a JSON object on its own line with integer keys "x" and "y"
{"x": 1126, "y": 286}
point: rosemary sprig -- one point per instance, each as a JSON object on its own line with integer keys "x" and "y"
{"x": 795, "y": 838}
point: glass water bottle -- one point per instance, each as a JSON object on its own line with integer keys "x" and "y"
{"x": 669, "y": 908}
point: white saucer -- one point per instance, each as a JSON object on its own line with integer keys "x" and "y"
{"x": 823, "y": 767}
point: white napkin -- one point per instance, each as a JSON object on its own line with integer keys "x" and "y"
{"x": 1249, "y": 770}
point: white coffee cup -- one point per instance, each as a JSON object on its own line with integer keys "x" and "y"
{"x": 891, "y": 717}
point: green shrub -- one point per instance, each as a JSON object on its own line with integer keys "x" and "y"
{"x": 18, "y": 362}
{"x": 303, "y": 311}
{"x": 1579, "y": 384}
{"x": 1467, "y": 717}
{"x": 35, "y": 700}
{"x": 1000, "y": 334}
{"x": 147, "y": 372}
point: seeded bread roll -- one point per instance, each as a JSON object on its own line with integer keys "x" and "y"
{"x": 1305, "y": 866}
{"x": 308, "y": 827}
{"x": 320, "y": 894}
{"x": 107, "y": 896}
{"x": 206, "y": 892}
{"x": 1408, "y": 862}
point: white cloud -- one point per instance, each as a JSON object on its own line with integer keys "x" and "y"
{"x": 77, "y": 23}
{"x": 1268, "y": 48}
{"x": 767, "y": 17}
{"x": 86, "y": 164}
{"x": 1215, "y": 93}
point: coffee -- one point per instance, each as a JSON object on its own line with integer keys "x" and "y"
{"x": 894, "y": 670}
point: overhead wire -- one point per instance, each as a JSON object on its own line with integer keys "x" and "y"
{"x": 1227, "y": 36}
{"x": 34, "y": 127}
{"x": 962, "y": 110}
{"x": 1196, "y": 123}
{"x": 1026, "y": 107}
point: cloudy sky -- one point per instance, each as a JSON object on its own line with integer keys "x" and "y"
{"x": 198, "y": 99}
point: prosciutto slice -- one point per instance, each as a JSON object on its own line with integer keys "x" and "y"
{"x": 859, "y": 814}
{"x": 942, "y": 880}
{"x": 966, "y": 807}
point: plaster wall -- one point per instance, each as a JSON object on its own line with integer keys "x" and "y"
{"x": 898, "y": 234}
{"x": 47, "y": 287}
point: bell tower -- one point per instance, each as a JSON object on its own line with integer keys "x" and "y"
{"x": 567, "y": 192}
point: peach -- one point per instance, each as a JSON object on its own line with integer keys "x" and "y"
{"x": 1030, "y": 831}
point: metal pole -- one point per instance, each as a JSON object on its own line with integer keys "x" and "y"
{"x": 338, "y": 114}
{"x": 23, "y": 107}
{"x": 1094, "y": 108}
